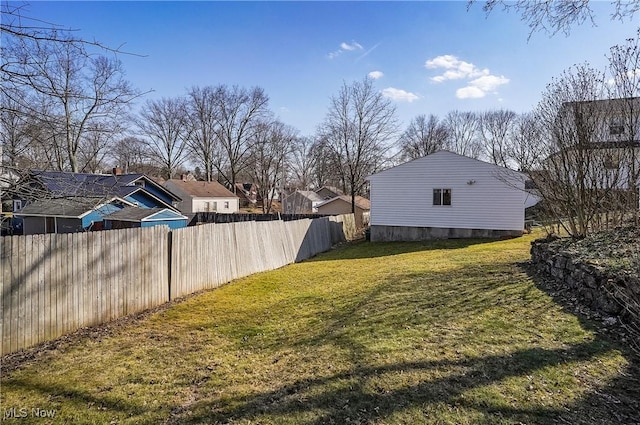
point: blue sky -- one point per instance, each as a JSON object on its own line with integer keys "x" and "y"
{"x": 428, "y": 57}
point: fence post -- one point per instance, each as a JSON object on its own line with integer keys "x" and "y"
{"x": 169, "y": 255}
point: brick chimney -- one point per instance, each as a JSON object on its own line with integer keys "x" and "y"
{"x": 117, "y": 171}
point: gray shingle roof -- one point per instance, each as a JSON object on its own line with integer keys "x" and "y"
{"x": 61, "y": 207}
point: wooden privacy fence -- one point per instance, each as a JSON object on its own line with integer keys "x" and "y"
{"x": 54, "y": 284}
{"x": 210, "y": 255}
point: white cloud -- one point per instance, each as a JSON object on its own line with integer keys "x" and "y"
{"x": 345, "y": 47}
{"x": 481, "y": 86}
{"x": 399, "y": 95}
{"x": 488, "y": 83}
{"x": 456, "y": 69}
{"x": 469, "y": 92}
{"x": 480, "y": 80}
{"x": 376, "y": 74}
{"x": 353, "y": 46}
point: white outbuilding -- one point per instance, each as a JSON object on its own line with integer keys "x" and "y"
{"x": 446, "y": 195}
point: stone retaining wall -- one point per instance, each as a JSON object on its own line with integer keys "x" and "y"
{"x": 611, "y": 294}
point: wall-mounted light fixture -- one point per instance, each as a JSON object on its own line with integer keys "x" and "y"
{"x": 470, "y": 182}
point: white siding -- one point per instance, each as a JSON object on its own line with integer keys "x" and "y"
{"x": 203, "y": 205}
{"x": 193, "y": 204}
{"x": 403, "y": 195}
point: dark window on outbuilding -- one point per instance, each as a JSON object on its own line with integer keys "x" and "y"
{"x": 616, "y": 126}
{"x": 441, "y": 196}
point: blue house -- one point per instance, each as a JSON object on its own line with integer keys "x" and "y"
{"x": 131, "y": 217}
{"x": 64, "y": 202}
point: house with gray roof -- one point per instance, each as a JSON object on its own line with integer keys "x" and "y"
{"x": 65, "y": 202}
{"x": 133, "y": 217}
{"x": 201, "y": 196}
{"x": 301, "y": 202}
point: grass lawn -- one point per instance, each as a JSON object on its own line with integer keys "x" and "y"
{"x": 447, "y": 332}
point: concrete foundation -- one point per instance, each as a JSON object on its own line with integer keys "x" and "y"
{"x": 407, "y": 234}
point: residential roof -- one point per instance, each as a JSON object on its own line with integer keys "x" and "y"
{"x": 63, "y": 183}
{"x": 312, "y": 196}
{"x": 203, "y": 189}
{"x": 332, "y": 189}
{"x": 445, "y": 153}
{"x": 74, "y": 207}
{"x": 361, "y": 202}
{"x": 144, "y": 214}
{"x": 614, "y": 103}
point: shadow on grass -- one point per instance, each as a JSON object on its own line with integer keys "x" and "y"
{"x": 621, "y": 397}
{"x": 348, "y": 398}
{"x": 353, "y": 397}
{"x": 365, "y": 249}
{"x": 82, "y": 399}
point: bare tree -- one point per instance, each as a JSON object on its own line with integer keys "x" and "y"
{"x": 554, "y": 16}
{"x": 624, "y": 67}
{"x": 93, "y": 150}
{"x": 164, "y": 124}
{"x": 526, "y": 143}
{"x": 574, "y": 182}
{"x": 358, "y": 129}
{"x": 326, "y": 166}
{"x": 495, "y": 129}
{"x": 204, "y": 120}
{"x": 58, "y": 99}
{"x": 270, "y": 145}
{"x": 463, "y": 133}
{"x": 302, "y": 162}
{"x": 129, "y": 154}
{"x": 239, "y": 111}
{"x": 16, "y": 134}
{"x": 79, "y": 93}
{"x": 423, "y": 136}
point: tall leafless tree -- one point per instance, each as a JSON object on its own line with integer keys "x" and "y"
{"x": 574, "y": 182}
{"x": 302, "y": 162}
{"x": 326, "y": 169}
{"x": 624, "y": 84}
{"x": 239, "y": 111}
{"x": 463, "y": 133}
{"x": 270, "y": 147}
{"x": 423, "y": 136}
{"x": 495, "y": 129}
{"x": 204, "y": 118}
{"x": 58, "y": 99}
{"x": 68, "y": 91}
{"x": 525, "y": 145}
{"x": 163, "y": 123}
{"x": 129, "y": 154}
{"x": 358, "y": 129}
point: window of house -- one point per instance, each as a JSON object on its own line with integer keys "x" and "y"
{"x": 610, "y": 162}
{"x": 226, "y": 205}
{"x": 441, "y": 196}
{"x": 17, "y": 204}
{"x": 49, "y": 224}
{"x": 616, "y": 126}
